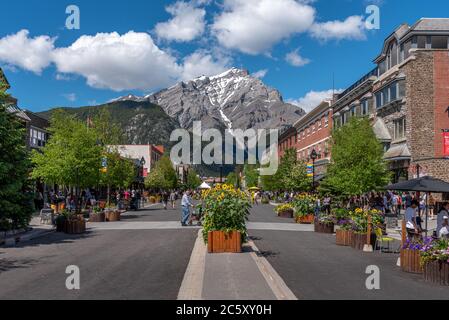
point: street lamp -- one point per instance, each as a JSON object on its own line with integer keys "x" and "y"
{"x": 313, "y": 156}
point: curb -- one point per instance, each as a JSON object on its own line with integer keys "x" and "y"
{"x": 11, "y": 241}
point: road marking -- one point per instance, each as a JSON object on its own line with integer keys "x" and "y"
{"x": 192, "y": 283}
{"x": 274, "y": 280}
{"x": 173, "y": 225}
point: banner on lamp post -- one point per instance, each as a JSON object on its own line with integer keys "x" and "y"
{"x": 446, "y": 143}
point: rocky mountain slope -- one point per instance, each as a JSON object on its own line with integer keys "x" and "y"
{"x": 233, "y": 99}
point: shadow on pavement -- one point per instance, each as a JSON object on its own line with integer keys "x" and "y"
{"x": 54, "y": 238}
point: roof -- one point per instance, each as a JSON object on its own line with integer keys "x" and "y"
{"x": 18, "y": 112}
{"x": 398, "y": 152}
{"x": 431, "y": 24}
{"x": 37, "y": 121}
{"x": 381, "y": 131}
{"x": 323, "y": 107}
{"x": 3, "y": 79}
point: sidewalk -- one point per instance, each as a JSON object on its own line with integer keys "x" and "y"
{"x": 36, "y": 230}
{"x": 242, "y": 276}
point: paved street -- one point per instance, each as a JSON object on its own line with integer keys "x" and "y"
{"x": 147, "y": 255}
{"x": 118, "y": 264}
{"x": 313, "y": 267}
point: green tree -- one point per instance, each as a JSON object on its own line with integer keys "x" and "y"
{"x": 15, "y": 201}
{"x": 232, "y": 179}
{"x": 72, "y": 156}
{"x": 163, "y": 176}
{"x": 357, "y": 164}
{"x": 120, "y": 172}
{"x": 251, "y": 174}
{"x": 108, "y": 131}
{"x": 193, "y": 181}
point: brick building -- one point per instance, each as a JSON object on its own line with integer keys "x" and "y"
{"x": 287, "y": 140}
{"x": 411, "y": 97}
{"x": 314, "y": 131}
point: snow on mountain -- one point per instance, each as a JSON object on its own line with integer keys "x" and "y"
{"x": 233, "y": 99}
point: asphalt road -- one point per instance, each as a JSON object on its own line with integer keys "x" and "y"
{"x": 314, "y": 268}
{"x": 127, "y": 264}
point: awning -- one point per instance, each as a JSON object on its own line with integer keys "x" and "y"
{"x": 204, "y": 186}
{"x": 398, "y": 152}
{"x": 381, "y": 131}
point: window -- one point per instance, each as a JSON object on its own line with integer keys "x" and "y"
{"x": 326, "y": 121}
{"x": 353, "y": 111}
{"x": 439, "y": 42}
{"x": 422, "y": 42}
{"x": 393, "y": 92}
{"x": 378, "y": 99}
{"x": 399, "y": 128}
{"x": 364, "y": 107}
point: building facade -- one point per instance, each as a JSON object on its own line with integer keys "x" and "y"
{"x": 411, "y": 97}
{"x": 287, "y": 140}
{"x": 314, "y": 132}
{"x": 150, "y": 153}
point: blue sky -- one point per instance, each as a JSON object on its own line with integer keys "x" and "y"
{"x": 139, "y": 46}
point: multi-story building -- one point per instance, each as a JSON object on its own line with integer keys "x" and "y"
{"x": 314, "y": 132}
{"x": 150, "y": 153}
{"x": 38, "y": 134}
{"x": 411, "y": 97}
{"x": 287, "y": 140}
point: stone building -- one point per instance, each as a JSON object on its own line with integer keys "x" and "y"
{"x": 411, "y": 97}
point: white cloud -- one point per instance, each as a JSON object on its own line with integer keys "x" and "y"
{"x": 295, "y": 59}
{"x": 260, "y": 74}
{"x": 353, "y": 28}
{"x": 118, "y": 62}
{"x": 201, "y": 63}
{"x": 312, "y": 99}
{"x": 187, "y": 23}
{"x": 32, "y": 54}
{"x": 255, "y": 26}
{"x": 70, "y": 96}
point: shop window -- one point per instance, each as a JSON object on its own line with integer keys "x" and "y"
{"x": 399, "y": 128}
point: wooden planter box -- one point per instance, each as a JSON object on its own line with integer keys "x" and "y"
{"x": 437, "y": 272}
{"x": 309, "y": 219}
{"x": 288, "y": 214}
{"x": 74, "y": 226}
{"x": 97, "y": 217}
{"x": 358, "y": 241}
{"x": 324, "y": 228}
{"x": 411, "y": 261}
{"x": 112, "y": 216}
{"x": 343, "y": 237}
{"x": 221, "y": 242}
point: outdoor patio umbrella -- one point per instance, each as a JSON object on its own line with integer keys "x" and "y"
{"x": 424, "y": 184}
{"x": 204, "y": 186}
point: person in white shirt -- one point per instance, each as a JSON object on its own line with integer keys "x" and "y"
{"x": 444, "y": 231}
{"x": 186, "y": 204}
{"x": 444, "y": 212}
{"x": 410, "y": 218}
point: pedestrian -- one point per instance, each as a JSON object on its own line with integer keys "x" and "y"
{"x": 444, "y": 212}
{"x": 410, "y": 216}
{"x": 327, "y": 205}
{"x": 165, "y": 197}
{"x": 444, "y": 231}
{"x": 186, "y": 204}
{"x": 173, "y": 199}
{"x": 431, "y": 207}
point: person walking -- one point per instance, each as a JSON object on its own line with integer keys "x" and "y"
{"x": 186, "y": 204}
{"x": 444, "y": 212}
{"x": 411, "y": 219}
{"x": 173, "y": 199}
{"x": 165, "y": 197}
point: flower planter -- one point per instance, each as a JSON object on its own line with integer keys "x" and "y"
{"x": 97, "y": 217}
{"x": 358, "y": 240}
{"x": 112, "y": 216}
{"x": 343, "y": 237}
{"x": 437, "y": 272}
{"x": 74, "y": 226}
{"x": 411, "y": 261}
{"x": 324, "y": 228}
{"x": 309, "y": 219}
{"x": 288, "y": 214}
{"x": 221, "y": 242}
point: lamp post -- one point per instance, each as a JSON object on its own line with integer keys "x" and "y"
{"x": 313, "y": 156}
